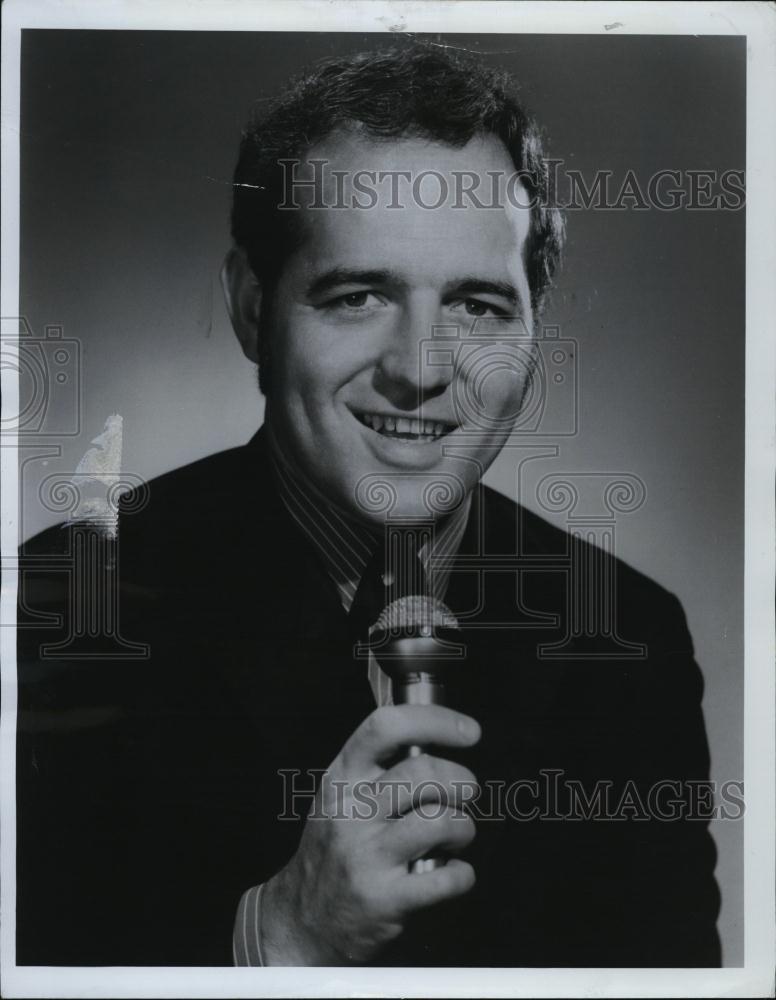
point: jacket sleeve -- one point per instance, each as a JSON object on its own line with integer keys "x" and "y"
{"x": 678, "y": 899}
{"x": 639, "y": 888}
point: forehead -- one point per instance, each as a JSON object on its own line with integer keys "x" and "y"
{"x": 402, "y": 203}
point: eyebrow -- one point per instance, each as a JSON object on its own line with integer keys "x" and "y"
{"x": 350, "y": 276}
{"x": 484, "y": 286}
{"x": 468, "y": 285}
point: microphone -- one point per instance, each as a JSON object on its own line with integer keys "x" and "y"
{"x": 411, "y": 642}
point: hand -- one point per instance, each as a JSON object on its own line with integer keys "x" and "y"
{"x": 347, "y": 891}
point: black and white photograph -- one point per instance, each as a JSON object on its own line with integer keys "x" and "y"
{"x": 388, "y": 527}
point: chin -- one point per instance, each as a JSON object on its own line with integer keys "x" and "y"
{"x": 384, "y": 497}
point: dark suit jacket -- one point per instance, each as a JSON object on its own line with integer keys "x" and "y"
{"x": 149, "y": 789}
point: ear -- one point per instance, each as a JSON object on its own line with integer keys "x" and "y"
{"x": 242, "y": 293}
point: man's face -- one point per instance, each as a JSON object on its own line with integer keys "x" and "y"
{"x": 400, "y": 338}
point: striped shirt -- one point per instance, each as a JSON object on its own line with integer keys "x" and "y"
{"x": 345, "y": 547}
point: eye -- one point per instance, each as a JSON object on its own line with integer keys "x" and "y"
{"x": 355, "y": 300}
{"x": 477, "y": 308}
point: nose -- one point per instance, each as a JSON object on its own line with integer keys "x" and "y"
{"x": 414, "y": 365}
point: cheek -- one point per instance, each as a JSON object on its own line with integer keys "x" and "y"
{"x": 491, "y": 387}
{"x": 316, "y": 358}
{"x": 304, "y": 369}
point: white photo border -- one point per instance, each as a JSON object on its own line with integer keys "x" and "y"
{"x": 756, "y": 21}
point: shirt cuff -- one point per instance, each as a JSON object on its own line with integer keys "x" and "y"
{"x": 246, "y": 939}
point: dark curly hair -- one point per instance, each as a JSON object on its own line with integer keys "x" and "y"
{"x": 412, "y": 89}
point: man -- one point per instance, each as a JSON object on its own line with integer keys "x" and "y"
{"x": 392, "y": 309}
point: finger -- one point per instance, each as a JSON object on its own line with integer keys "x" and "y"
{"x": 429, "y": 829}
{"x": 421, "y": 780}
{"x": 415, "y": 891}
{"x": 390, "y": 729}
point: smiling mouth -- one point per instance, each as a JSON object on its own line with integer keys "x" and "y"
{"x": 404, "y": 428}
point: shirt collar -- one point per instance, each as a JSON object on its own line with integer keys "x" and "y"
{"x": 345, "y": 545}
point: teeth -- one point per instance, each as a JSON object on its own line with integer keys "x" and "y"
{"x": 405, "y": 425}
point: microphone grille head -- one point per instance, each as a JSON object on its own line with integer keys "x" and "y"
{"x": 416, "y": 613}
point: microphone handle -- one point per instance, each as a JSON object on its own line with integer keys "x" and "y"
{"x": 420, "y": 689}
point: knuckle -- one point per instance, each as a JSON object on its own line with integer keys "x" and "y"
{"x": 369, "y": 735}
{"x": 439, "y": 769}
{"x": 424, "y": 768}
{"x": 382, "y": 723}
{"x": 469, "y": 829}
{"x": 462, "y": 828}
{"x": 465, "y": 777}
{"x": 429, "y": 799}
{"x": 465, "y": 788}
{"x": 464, "y": 877}
{"x": 456, "y": 879}
{"x": 369, "y": 726}
{"x": 344, "y": 763}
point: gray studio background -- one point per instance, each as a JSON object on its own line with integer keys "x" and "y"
{"x": 128, "y": 143}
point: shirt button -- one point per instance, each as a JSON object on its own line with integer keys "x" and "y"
{"x": 388, "y": 579}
